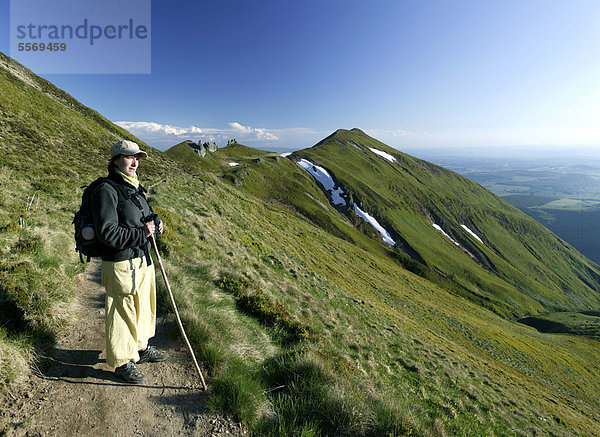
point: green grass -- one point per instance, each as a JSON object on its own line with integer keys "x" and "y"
{"x": 258, "y": 263}
{"x": 15, "y": 356}
{"x": 255, "y": 303}
{"x": 521, "y": 269}
{"x": 383, "y": 330}
{"x": 587, "y": 324}
{"x": 571, "y": 204}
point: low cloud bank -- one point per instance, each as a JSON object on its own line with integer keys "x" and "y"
{"x": 163, "y": 136}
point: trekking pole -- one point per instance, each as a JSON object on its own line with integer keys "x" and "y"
{"x": 187, "y": 342}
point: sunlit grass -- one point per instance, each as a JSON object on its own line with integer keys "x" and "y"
{"x": 388, "y": 352}
{"x": 443, "y": 362}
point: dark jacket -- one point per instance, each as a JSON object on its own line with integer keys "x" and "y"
{"x": 118, "y": 223}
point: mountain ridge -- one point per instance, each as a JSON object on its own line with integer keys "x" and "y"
{"x": 456, "y": 213}
{"x": 305, "y": 320}
{"x": 443, "y": 216}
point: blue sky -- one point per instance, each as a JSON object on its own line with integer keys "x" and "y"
{"x": 282, "y": 75}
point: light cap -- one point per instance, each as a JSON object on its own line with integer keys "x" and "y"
{"x": 126, "y": 147}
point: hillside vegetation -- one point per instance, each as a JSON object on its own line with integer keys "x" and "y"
{"x": 306, "y": 322}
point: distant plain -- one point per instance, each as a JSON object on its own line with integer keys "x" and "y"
{"x": 559, "y": 190}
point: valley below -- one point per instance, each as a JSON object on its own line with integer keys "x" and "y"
{"x": 562, "y": 192}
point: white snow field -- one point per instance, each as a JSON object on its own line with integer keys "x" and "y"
{"x": 472, "y": 233}
{"x": 382, "y": 153}
{"x": 387, "y": 238}
{"x": 439, "y": 228}
{"x": 323, "y": 176}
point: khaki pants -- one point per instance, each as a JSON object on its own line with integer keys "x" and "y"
{"x": 130, "y": 308}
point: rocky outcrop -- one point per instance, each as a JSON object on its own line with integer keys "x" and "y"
{"x": 198, "y": 148}
{"x": 202, "y": 148}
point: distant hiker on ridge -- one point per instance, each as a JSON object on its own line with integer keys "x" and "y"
{"x": 123, "y": 222}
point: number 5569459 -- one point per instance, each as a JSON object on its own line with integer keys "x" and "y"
{"x": 42, "y": 47}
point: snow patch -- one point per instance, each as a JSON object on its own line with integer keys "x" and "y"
{"x": 233, "y": 164}
{"x": 382, "y": 153}
{"x": 472, "y": 233}
{"x": 286, "y": 154}
{"x": 323, "y": 176}
{"x": 387, "y": 238}
{"x": 439, "y": 228}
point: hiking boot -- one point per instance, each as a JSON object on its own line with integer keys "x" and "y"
{"x": 130, "y": 373}
{"x": 152, "y": 355}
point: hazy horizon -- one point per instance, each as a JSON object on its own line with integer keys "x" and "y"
{"x": 517, "y": 153}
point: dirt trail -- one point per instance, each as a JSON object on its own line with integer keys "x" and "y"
{"x": 76, "y": 393}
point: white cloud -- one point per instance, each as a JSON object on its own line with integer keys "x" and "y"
{"x": 258, "y": 134}
{"x": 163, "y": 136}
{"x": 390, "y": 133}
{"x": 239, "y": 128}
{"x": 157, "y": 128}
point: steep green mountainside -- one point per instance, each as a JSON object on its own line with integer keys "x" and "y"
{"x": 491, "y": 252}
{"x": 306, "y": 323}
{"x": 182, "y": 152}
{"x": 42, "y": 125}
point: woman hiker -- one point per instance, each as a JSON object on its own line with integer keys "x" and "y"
{"x": 127, "y": 270}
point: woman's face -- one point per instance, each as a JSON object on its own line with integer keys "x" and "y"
{"x": 128, "y": 164}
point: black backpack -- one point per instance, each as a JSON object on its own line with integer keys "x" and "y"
{"x": 86, "y": 242}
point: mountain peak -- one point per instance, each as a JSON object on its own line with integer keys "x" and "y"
{"x": 355, "y": 138}
{"x": 354, "y": 130}
{"x": 344, "y": 137}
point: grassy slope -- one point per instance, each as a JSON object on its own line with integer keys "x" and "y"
{"x": 521, "y": 269}
{"x": 185, "y": 155}
{"x": 443, "y": 355}
{"x": 388, "y": 351}
{"x": 587, "y": 323}
{"x": 280, "y": 181}
{"x": 393, "y": 335}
